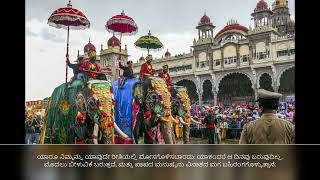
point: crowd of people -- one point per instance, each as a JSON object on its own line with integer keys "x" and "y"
{"x": 222, "y": 122}
{"x": 33, "y": 128}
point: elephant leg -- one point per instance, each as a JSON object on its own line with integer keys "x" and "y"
{"x": 71, "y": 135}
{"x": 174, "y": 139}
{"x": 186, "y": 133}
{"x": 149, "y": 133}
{"x": 137, "y": 128}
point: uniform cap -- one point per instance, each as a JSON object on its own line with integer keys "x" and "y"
{"x": 264, "y": 94}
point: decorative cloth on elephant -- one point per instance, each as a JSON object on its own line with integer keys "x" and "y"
{"x": 81, "y": 116}
{"x": 125, "y": 109}
{"x": 184, "y": 98}
{"x": 159, "y": 85}
{"x": 103, "y": 94}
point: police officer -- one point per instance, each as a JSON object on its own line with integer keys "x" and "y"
{"x": 269, "y": 129}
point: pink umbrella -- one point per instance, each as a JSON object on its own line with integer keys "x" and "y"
{"x": 68, "y": 18}
{"x": 123, "y": 25}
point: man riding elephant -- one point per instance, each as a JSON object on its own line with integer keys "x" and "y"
{"x": 146, "y": 69}
{"x": 165, "y": 75}
{"x": 91, "y": 65}
{"x": 75, "y": 67}
{"x": 127, "y": 72}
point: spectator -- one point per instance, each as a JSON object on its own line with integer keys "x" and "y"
{"x": 29, "y": 131}
{"x": 37, "y": 128}
{"x": 224, "y": 127}
{"x": 217, "y": 129}
{"x": 210, "y": 123}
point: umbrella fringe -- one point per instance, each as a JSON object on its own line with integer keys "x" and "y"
{"x": 124, "y": 34}
{"x": 60, "y": 26}
{"x": 128, "y": 22}
{"x": 58, "y": 22}
{"x": 121, "y": 21}
{"x": 158, "y": 49}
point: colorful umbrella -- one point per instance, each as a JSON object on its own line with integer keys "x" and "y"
{"x": 68, "y": 18}
{"x": 149, "y": 42}
{"x": 123, "y": 25}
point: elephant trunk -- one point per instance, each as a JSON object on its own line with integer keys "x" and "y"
{"x": 186, "y": 133}
{"x": 186, "y": 129}
{"x": 166, "y": 129}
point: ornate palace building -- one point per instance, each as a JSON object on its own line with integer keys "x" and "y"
{"x": 37, "y": 106}
{"x": 232, "y": 64}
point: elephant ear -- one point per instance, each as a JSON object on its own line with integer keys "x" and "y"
{"x": 153, "y": 102}
{"x": 80, "y": 103}
{"x": 158, "y": 109}
{"x": 138, "y": 93}
{"x": 176, "y": 103}
{"x": 92, "y": 105}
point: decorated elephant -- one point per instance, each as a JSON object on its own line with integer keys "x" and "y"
{"x": 81, "y": 112}
{"x": 181, "y": 113}
{"x": 146, "y": 109}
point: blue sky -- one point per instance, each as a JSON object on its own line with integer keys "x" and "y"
{"x": 172, "y": 21}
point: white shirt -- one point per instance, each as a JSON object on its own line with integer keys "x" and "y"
{"x": 223, "y": 125}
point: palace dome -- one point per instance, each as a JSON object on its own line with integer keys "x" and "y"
{"x": 261, "y": 5}
{"x": 204, "y": 19}
{"x": 113, "y": 41}
{"x": 232, "y": 27}
{"x": 279, "y": 4}
{"x": 89, "y": 47}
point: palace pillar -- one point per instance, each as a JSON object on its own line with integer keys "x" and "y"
{"x": 199, "y": 92}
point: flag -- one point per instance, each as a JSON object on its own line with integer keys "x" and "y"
{"x": 247, "y": 104}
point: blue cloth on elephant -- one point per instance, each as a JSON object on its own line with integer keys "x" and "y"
{"x": 123, "y": 105}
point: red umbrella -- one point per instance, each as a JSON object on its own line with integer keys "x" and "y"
{"x": 123, "y": 25}
{"x": 68, "y": 18}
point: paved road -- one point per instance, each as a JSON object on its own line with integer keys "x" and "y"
{"x": 202, "y": 141}
{"x": 205, "y": 141}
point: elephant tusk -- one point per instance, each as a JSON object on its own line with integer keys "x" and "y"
{"x": 182, "y": 121}
{"x": 121, "y": 133}
{"x": 95, "y": 133}
{"x": 194, "y": 121}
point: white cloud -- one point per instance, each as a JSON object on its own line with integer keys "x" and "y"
{"x": 173, "y": 22}
{"x": 45, "y": 57}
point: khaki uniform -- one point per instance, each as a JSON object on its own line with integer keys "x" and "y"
{"x": 269, "y": 129}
